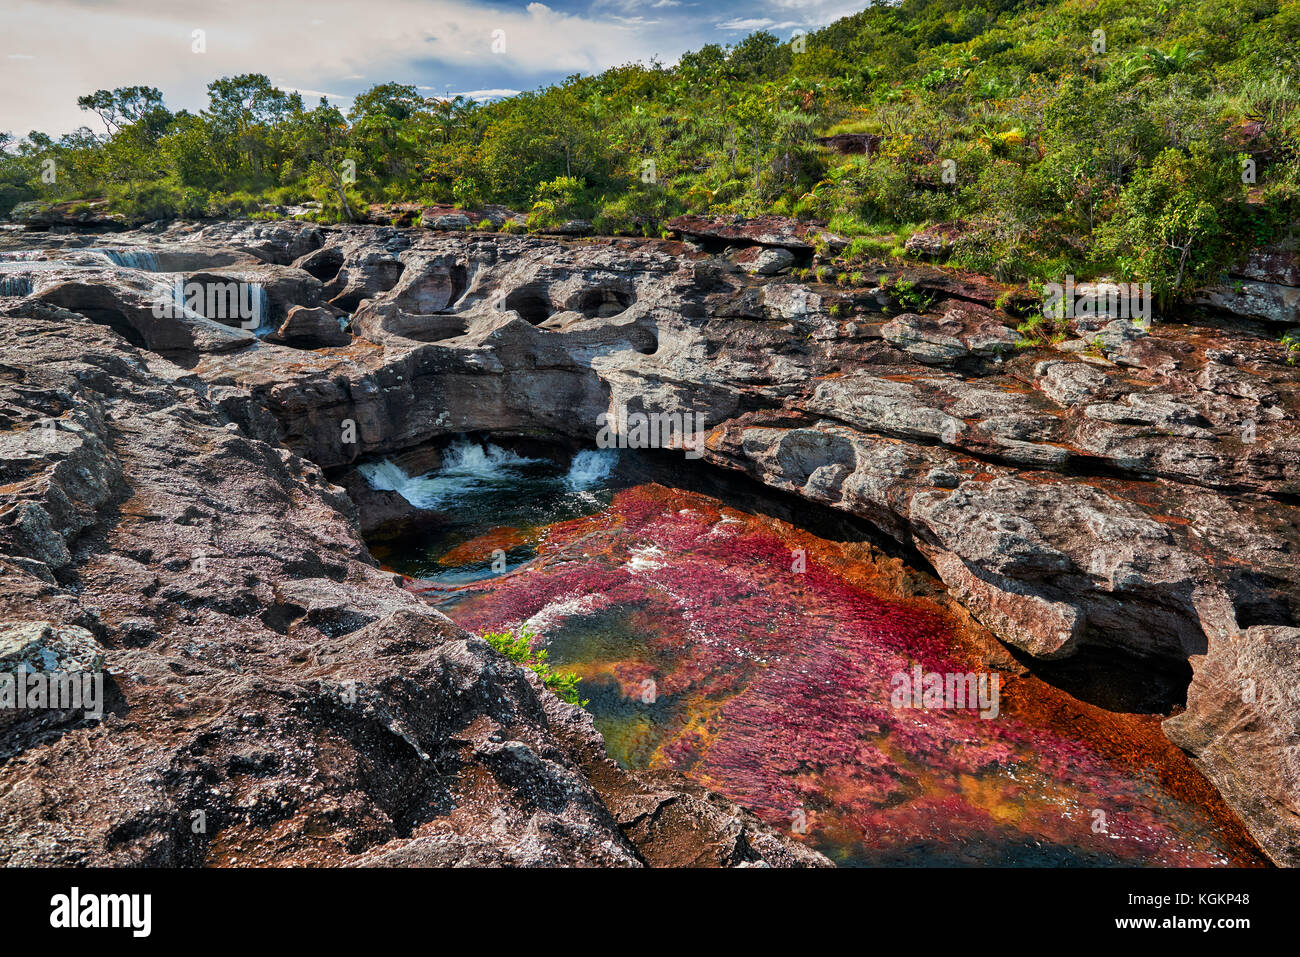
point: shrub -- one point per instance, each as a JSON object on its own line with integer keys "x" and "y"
{"x": 1179, "y": 221}
{"x": 558, "y": 201}
{"x": 162, "y": 200}
{"x": 906, "y": 296}
{"x": 519, "y": 649}
{"x": 1291, "y": 343}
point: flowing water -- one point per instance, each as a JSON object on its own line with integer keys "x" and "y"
{"x": 18, "y": 269}
{"x": 767, "y": 663}
{"x": 142, "y": 259}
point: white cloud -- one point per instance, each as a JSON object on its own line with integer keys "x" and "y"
{"x": 481, "y": 95}
{"x": 100, "y": 44}
{"x": 346, "y": 46}
{"x": 748, "y": 24}
{"x": 311, "y": 97}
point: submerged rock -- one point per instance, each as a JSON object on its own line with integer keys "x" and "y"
{"x": 766, "y": 663}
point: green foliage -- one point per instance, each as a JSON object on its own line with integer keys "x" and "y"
{"x": 559, "y": 200}
{"x": 1040, "y": 330}
{"x": 905, "y": 296}
{"x": 1291, "y": 343}
{"x": 1178, "y": 221}
{"x": 1059, "y": 157}
{"x": 519, "y": 649}
{"x": 163, "y": 200}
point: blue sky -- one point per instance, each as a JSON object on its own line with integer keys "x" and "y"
{"x": 52, "y": 51}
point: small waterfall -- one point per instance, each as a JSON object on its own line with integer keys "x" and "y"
{"x": 15, "y": 285}
{"x": 422, "y": 491}
{"x": 141, "y": 259}
{"x": 384, "y": 475}
{"x": 257, "y": 308}
{"x": 242, "y": 305}
{"x": 466, "y": 466}
{"x": 464, "y": 457}
{"x": 178, "y": 296}
{"x": 590, "y": 467}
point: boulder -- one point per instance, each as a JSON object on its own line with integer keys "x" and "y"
{"x": 62, "y": 659}
{"x": 963, "y": 331}
{"x": 312, "y": 327}
{"x": 1265, "y": 286}
{"x": 1241, "y": 726}
{"x": 764, "y": 261}
{"x": 935, "y": 242}
{"x": 91, "y": 217}
{"x": 434, "y": 218}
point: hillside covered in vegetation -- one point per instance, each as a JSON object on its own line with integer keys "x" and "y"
{"x": 1151, "y": 139}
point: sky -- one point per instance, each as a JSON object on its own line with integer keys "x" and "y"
{"x": 52, "y": 51}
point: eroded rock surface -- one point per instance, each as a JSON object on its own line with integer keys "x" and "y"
{"x": 272, "y": 696}
{"x": 1133, "y": 489}
{"x": 1266, "y": 286}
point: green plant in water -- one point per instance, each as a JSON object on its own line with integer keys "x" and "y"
{"x": 519, "y": 649}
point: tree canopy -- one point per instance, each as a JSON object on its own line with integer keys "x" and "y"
{"x": 1085, "y": 136}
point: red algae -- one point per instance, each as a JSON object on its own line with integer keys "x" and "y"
{"x": 762, "y": 661}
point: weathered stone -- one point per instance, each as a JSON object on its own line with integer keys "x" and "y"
{"x": 66, "y": 658}
{"x": 760, "y": 261}
{"x": 1266, "y": 286}
{"x": 267, "y": 676}
{"x": 1138, "y": 504}
{"x": 92, "y": 216}
{"x": 1242, "y": 725}
{"x": 935, "y": 242}
{"x": 311, "y": 327}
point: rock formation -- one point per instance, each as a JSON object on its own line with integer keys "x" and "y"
{"x": 1130, "y": 491}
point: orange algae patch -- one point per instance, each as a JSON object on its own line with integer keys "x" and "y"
{"x": 482, "y": 547}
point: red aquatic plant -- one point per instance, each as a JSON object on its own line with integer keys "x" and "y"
{"x": 772, "y": 682}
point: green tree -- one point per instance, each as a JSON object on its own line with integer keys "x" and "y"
{"x": 1177, "y": 225}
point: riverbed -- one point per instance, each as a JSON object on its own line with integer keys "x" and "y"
{"x": 787, "y": 671}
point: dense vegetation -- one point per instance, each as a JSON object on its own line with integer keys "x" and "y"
{"x": 1058, "y": 149}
